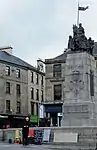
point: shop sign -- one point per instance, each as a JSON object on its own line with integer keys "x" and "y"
{"x": 34, "y": 118}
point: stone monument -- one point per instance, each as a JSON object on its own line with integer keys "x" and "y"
{"x": 80, "y": 86}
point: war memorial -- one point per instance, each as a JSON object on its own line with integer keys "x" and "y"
{"x": 80, "y": 100}
{"x": 79, "y": 113}
{"x": 79, "y": 118}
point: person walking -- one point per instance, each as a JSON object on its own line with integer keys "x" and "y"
{"x": 25, "y": 132}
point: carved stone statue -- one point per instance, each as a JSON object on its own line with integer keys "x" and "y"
{"x": 79, "y": 42}
{"x": 75, "y": 30}
{"x": 90, "y": 45}
{"x": 76, "y": 44}
{"x": 70, "y": 43}
{"x": 81, "y": 30}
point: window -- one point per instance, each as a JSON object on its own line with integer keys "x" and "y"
{"x": 7, "y": 105}
{"x": 91, "y": 83}
{"x": 57, "y": 92}
{"x": 37, "y": 94}
{"x": 7, "y": 70}
{"x": 42, "y": 98}
{"x": 8, "y": 87}
{"x": 42, "y": 81}
{"x": 57, "y": 70}
{"x": 37, "y": 79}
{"x": 32, "y": 108}
{"x": 18, "y": 107}
{"x": 18, "y": 73}
{"x": 37, "y": 109}
{"x": 32, "y": 93}
{"x": 18, "y": 89}
{"x": 32, "y": 77}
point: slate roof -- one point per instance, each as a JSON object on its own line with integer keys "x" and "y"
{"x": 59, "y": 57}
{"x": 64, "y": 55}
{"x": 5, "y": 57}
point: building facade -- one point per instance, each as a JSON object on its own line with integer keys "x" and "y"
{"x": 55, "y": 83}
{"x": 36, "y": 90}
{"x": 54, "y": 95}
{"x": 21, "y": 89}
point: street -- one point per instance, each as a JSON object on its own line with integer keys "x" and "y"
{"x": 21, "y": 147}
{"x": 4, "y": 146}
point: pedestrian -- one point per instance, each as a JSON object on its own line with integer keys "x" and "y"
{"x": 25, "y": 132}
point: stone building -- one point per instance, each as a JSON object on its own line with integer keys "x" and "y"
{"x": 21, "y": 88}
{"x": 71, "y": 83}
{"x": 56, "y": 85}
{"x": 54, "y": 95}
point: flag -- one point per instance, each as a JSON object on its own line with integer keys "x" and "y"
{"x": 83, "y": 8}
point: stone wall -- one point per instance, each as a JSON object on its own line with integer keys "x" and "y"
{"x": 50, "y": 81}
{"x": 35, "y": 86}
{"x": 86, "y": 135}
{"x": 23, "y": 80}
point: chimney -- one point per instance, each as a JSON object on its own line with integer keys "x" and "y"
{"x": 40, "y": 65}
{"x": 7, "y": 49}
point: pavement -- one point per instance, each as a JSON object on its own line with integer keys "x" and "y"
{"x": 21, "y": 147}
{"x": 4, "y": 146}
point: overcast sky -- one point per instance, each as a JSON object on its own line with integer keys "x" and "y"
{"x": 40, "y": 28}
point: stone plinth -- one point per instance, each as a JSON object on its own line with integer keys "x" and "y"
{"x": 80, "y": 102}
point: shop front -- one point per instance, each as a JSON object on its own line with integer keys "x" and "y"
{"x": 12, "y": 121}
{"x": 34, "y": 120}
{"x": 52, "y": 111}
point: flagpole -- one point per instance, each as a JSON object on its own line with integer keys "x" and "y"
{"x": 78, "y": 15}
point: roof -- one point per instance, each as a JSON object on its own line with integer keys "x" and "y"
{"x": 59, "y": 58}
{"x": 5, "y": 57}
{"x": 62, "y": 57}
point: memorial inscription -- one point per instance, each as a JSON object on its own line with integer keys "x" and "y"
{"x": 76, "y": 109}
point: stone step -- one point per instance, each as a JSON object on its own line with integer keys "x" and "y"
{"x": 66, "y": 148}
{"x": 70, "y": 147}
{"x": 79, "y": 144}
